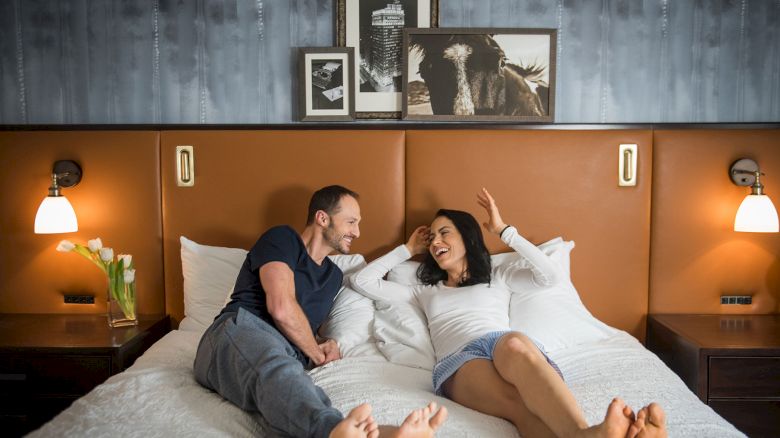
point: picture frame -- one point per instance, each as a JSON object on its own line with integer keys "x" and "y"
{"x": 378, "y": 72}
{"x": 513, "y": 70}
{"x": 326, "y": 84}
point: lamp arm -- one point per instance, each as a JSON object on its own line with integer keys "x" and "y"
{"x": 747, "y": 172}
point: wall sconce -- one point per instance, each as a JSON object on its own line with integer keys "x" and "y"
{"x": 55, "y": 214}
{"x": 756, "y": 214}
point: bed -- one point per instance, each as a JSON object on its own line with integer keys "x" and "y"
{"x": 387, "y": 362}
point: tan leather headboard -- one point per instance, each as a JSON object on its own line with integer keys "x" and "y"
{"x": 697, "y": 255}
{"x": 248, "y": 181}
{"x": 549, "y": 183}
{"x": 117, "y": 200}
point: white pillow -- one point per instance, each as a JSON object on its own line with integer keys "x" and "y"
{"x": 351, "y": 323}
{"x": 351, "y": 319}
{"x": 401, "y": 333}
{"x": 556, "y": 317}
{"x": 349, "y": 264}
{"x": 210, "y": 273}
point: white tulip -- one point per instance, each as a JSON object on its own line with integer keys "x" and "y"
{"x": 95, "y": 244}
{"x": 65, "y": 246}
{"x": 129, "y": 276}
{"x": 126, "y": 258}
{"x": 106, "y": 254}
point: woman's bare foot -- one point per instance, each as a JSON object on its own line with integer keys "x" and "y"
{"x": 420, "y": 423}
{"x": 616, "y": 422}
{"x": 650, "y": 423}
{"x": 358, "y": 424}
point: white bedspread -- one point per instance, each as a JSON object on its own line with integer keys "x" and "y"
{"x": 158, "y": 395}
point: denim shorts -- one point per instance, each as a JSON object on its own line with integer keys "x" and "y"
{"x": 480, "y": 348}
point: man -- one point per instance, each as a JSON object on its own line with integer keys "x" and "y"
{"x": 256, "y": 351}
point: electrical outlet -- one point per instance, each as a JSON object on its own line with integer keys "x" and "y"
{"x": 79, "y": 299}
{"x": 736, "y": 299}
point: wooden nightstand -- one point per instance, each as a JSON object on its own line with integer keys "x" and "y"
{"x": 49, "y": 360}
{"x": 732, "y": 362}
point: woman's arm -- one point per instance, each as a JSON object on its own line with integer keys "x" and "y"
{"x": 543, "y": 271}
{"x": 369, "y": 280}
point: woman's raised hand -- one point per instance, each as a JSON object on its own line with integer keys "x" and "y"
{"x": 494, "y": 224}
{"x": 419, "y": 240}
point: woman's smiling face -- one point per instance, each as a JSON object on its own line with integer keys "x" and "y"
{"x": 447, "y": 246}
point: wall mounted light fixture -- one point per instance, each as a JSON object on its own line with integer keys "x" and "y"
{"x": 756, "y": 214}
{"x": 55, "y": 214}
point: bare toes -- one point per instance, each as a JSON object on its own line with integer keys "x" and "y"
{"x": 438, "y": 419}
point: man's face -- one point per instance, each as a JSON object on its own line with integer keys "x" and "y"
{"x": 343, "y": 225}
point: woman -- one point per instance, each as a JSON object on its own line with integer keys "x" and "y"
{"x": 481, "y": 363}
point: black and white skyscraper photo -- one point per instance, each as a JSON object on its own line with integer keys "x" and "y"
{"x": 381, "y": 40}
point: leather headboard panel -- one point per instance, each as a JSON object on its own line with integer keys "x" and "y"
{"x": 697, "y": 255}
{"x": 118, "y": 200}
{"x": 248, "y": 181}
{"x": 549, "y": 183}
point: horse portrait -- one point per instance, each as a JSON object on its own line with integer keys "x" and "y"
{"x": 470, "y": 76}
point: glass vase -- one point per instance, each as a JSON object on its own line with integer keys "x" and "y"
{"x": 120, "y": 308}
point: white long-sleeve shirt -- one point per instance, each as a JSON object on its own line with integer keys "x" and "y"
{"x": 458, "y": 315}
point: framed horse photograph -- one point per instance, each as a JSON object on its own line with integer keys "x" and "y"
{"x": 326, "y": 83}
{"x": 375, "y": 29}
{"x": 479, "y": 74}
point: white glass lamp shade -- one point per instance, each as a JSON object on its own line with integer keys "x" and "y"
{"x": 756, "y": 214}
{"x": 55, "y": 215}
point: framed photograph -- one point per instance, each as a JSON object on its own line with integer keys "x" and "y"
{"x": 326, "y": 84}
{"x": 479, "y": 74}
{"x": 374, "y": 28}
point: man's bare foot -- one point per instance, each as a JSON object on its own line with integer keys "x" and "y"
{"x": 616, "y": 422}
{"x": 420, "y": 423}
{"x": 358, "y": 424}
{"x": 650, "y": 423}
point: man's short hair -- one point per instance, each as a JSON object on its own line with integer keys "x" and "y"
{"x": 327, "y": 199}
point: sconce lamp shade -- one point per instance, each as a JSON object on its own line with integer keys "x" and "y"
{"x": 55, "y": 215}
{"x": 756, "y": 214}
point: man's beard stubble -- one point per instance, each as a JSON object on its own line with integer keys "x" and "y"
{"x": 334, "y": 239}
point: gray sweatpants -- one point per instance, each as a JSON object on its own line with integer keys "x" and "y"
{"x": 252, "y": 365}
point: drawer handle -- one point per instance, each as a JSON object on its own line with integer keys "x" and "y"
{"x": 6, "y": 377}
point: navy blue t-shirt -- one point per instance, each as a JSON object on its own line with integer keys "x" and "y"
{"x": 316, "y": 285}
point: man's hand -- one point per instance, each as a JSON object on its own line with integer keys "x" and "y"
{"x": 331, "y": 351}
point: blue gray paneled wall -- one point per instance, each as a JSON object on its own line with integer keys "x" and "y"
{"x": 233, "y": 61}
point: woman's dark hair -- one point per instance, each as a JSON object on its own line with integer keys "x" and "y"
{"x": 477, "y": 256}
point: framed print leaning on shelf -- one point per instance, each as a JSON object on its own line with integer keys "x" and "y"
{"x": 479, "y": 74}
{"x": 375, "y": 29}
{"x": 326, "y": 84}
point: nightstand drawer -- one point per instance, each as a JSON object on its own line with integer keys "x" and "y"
{"x": 744, "y": 377}
{"x": 757, "y": 418}
{"x": 49, "y": 374}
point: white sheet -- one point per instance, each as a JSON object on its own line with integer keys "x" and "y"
{"x": 158, "y": 395}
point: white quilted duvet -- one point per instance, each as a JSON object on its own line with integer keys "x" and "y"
{"x": 158, "y": 395}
